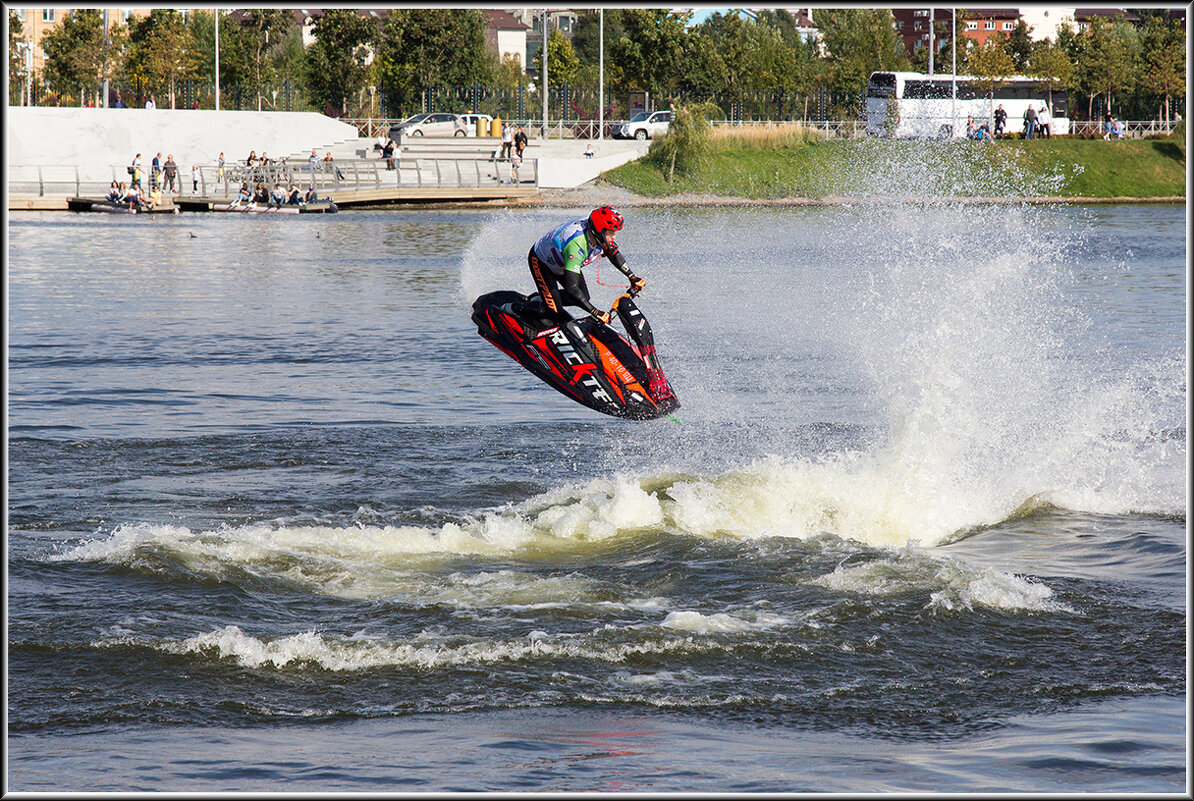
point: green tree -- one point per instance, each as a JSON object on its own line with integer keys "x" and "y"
{"x": 858, "y": 42}
{"x": 1020, "y": 45}
{"x": 162, "y": 53}
{"x": 651, "y": 52}
{"x": 338, "y": 61}
{"x": 257, "y": 25}
{"x": 562, "y": 61}
{"x": 1111, "y": 63}
{"x": 16, "y": 59}
{"x": 425, "y": 47}
{"x": 1164, "y": 68}
{"x": 79, "y": 54}
{"x": 1050, "y": 65}
{"x": 991, "y": 63}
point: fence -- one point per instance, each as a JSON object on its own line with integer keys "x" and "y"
{"x": 347, "y": 175}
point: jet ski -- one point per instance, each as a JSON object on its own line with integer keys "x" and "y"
{"x": 584, "y": 359}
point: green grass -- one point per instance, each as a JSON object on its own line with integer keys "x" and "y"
{"x": 785, "y": 166}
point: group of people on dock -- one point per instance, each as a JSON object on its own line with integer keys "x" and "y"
{"x": 280, "y": 196}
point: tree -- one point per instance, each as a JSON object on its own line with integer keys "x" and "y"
{"x": 1050, "y": 65}
{"x": 1019, "y": 46}
{"x": 562, "y": 61}
{"x": 257, "y": 24}
{"x": 990, "y": 62}
{"x": 338, "y": 61}
{"x": 79, "y": 54}
{"x": 1111, "y": 62}
{"x": 426, "y": 47}
{"x": 859, "y": 41}
{"x": 652, "y": 50}
{"x": 1164, "y": 72}
{"x": 16, "y": 59}
{"x": 162, "y": 53}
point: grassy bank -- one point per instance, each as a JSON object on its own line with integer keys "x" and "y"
{"x": 786, "y": 163}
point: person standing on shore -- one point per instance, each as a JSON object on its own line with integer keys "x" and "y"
{"x": 1043, "y": 121}
{"x": 195, "y": 179}
{"x": 170, "y": 171}
{"x": 1029, "y": 122}
{"x": 149, "y": 104}
{"x": 520, "y": 141}
{"x": 135, "y": 171}
{"x": 507, "y": 140}
{"x": 1000, "y": 120}
{"x": 155, "y": 170}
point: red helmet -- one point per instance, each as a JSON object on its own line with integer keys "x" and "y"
{"x": 605, "y": 219}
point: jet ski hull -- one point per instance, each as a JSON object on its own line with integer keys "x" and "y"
{"x": 584, "y": 359}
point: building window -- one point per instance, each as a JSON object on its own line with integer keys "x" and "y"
{"x": 916, "y": 25}
{"x": 1007, "y": 26}
{"x": 989, "y": 25}
{"x": 971, "y": 25}
{"x": 899, "y": 25}
{"x": 47, "y": 15}
{"x": 920, "y": 13}
{"x": 128, "y": 14}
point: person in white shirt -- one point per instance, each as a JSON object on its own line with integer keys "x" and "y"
{"x": 1044, "y": 122}
{"x": 507, "y": 140}
{"x": 149, "y": 104}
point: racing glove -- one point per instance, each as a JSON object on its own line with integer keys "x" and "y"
{"x": 636, "y": 282}
{"x": 603, "y": 316}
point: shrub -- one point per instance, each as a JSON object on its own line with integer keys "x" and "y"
{"x": 686, "y": 143}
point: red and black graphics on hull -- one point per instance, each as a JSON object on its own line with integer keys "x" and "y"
{"x": 583, "y": 359}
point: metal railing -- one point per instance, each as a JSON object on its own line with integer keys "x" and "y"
{"x": 345, "y": 175}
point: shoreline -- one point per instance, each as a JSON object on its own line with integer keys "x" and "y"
{"x": 594, "y": 195}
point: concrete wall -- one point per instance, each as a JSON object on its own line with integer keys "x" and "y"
{"x": 96, "y": 139}
{"x": 569, "y": 171}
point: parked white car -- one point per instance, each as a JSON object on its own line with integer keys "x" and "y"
{"x": 644, "y": 125}
{"x": 470, "y": 123}
{"x": 436, "y": 123}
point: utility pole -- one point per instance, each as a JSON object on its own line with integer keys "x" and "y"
{"x": 601, "y": 78}
{"x": 953, "y": 78}
{"x": 106, "y": 44}
{"x": 932, "y": 47}
{"x": 544, "y": 134}
{"x": 217, "y": 15}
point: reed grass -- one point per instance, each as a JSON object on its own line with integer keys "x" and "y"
{"x": 764, "y": 136}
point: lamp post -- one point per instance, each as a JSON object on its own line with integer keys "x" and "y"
{"x": 601, "y": 78}
{"x": 106, "y": 44}
{"x": 217, "y": 16}
{"x": 544, "y": 134}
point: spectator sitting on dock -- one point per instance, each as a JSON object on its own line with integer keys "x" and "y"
{"x": 311, "y": 195}
{"x": 155, "y": 198}
{"x": 132, "y": 196}
{"x": 243, "y": 195}
{"x": 260, "y": 193}
{"x": 278, "y": 196}
{"x": 113, "y": 191}
{"x": 293, "y": 199}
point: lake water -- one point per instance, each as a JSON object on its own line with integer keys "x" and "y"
{"x": 280, "y": 520}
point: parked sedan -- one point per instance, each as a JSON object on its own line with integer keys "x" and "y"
{"x": 644, "y": 125}
{"x": 435, "y": 123}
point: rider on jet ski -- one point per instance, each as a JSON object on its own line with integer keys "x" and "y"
{"x": 557, "y": 258}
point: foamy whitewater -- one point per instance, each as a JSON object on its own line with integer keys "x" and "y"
{"x": 919, "y": 524}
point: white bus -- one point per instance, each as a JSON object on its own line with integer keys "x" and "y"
{"x": 908, "y": 105}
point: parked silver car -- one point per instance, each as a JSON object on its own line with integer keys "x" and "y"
{"x": 434, "y": 123}
{"x": 644, "y": 125}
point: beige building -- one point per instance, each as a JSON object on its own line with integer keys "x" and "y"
{"x": 37, "y": 22}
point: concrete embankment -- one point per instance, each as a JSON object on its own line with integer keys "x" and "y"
{"x": 94, "y": 140}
